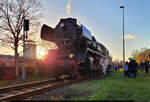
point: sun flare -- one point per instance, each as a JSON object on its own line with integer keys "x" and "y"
{"x": 41, "y": 52}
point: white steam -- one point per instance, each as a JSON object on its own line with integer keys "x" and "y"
{"x": 68, "y": 7}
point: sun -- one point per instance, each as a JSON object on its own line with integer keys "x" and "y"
{"x": 41, "y": 52}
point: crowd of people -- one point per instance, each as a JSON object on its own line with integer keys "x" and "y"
{"x": 145, "y": 66}
{"x": 131, "y": 68}
{"x": 117, "y": 67}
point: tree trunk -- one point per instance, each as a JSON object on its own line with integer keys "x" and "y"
{"x": 16, "y": 57}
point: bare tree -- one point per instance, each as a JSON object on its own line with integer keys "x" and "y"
{"x": 12, "y": 13}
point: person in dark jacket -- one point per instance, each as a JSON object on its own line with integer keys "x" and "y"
{"x": 126, "y": 69}
{"x": 142, "y": 66}
{"x": 146, "y": 66}
{"x": 132, "y": 67}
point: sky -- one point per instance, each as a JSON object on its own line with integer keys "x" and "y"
{"x": 104, "y": 19}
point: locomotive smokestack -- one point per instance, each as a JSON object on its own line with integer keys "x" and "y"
{"x": 47, "y": 33}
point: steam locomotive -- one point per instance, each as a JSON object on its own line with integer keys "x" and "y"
{"x": 78, "y": 54}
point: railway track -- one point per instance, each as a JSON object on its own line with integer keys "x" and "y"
{"x": 14, "y": 91}
{"x": 18, "y": 92}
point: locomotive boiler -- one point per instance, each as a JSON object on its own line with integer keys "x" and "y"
{"x": 78, "y": 54}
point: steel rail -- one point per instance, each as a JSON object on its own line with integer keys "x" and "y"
{"x": 37, "y": 90}
{"x": 26, "y": 85}
{"x": 26, "y": 92}
{"x": 29, "y": 84}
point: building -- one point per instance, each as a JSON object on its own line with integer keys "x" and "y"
{"x": 6, "y": 60}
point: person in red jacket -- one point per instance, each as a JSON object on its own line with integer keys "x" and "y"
{"x": 118, "y": 66}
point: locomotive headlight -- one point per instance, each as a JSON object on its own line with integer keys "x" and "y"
{"x": 71, "y": 55}
{"x": 62, "y": 25}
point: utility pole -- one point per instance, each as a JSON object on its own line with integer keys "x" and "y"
{"x": 25, "y": 29}
{"x": 123, "y": 39}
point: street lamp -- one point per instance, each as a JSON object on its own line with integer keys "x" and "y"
{"x": 123, "y": 39}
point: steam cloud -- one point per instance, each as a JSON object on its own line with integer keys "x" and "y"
{"x": 68, "y": 7}
{"x": 129, "y": 36}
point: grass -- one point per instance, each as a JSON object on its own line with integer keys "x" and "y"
{"x": 112, "y": 87}
{"x": 115, "y": 87}
{"x": 4, "y": 83}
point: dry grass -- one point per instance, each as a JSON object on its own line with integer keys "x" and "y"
{"x": 4, "y": 83}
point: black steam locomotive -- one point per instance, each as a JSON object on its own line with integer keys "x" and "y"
{"x": 78, "y": 53}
